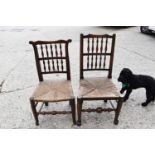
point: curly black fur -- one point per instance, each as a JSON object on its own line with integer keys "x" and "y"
{"x": 131, "y": 81}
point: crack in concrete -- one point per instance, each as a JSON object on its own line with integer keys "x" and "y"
{"x": 2, "y": 83}
{"x": 18, "y": 89}
{"x": 145, "y": 57}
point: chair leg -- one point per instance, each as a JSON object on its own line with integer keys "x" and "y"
{"x": 73, "y": 109}
{"x": 79, "y": 109}
{"x": 46, "y": 104}
{"x": 117, "y": 112}
{"x": 34, "y": 111}
{"x": 105, "y": 101}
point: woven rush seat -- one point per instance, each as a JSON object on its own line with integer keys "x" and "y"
{"x": 98, "y": 87}
{"x": 53, "y": 91}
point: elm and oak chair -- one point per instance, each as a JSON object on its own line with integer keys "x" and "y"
{"x": 97, "y": 54}
{"x": 52, "y": 57}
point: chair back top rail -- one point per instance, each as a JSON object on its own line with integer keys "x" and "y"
{"x": 39, "y": 42}
{"x": 98, "y": 35}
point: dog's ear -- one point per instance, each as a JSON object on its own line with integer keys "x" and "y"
{"x": 127, "y": 71}
{"x": 125, "y": 75}
{"x": 129, "y": 74}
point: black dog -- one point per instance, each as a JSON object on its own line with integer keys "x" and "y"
{"x": 131, "y": 81}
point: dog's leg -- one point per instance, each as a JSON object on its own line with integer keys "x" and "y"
{"x": 128, "y": 92}
{"x": 122, "y": 90}
{"x": 149, "y": 98}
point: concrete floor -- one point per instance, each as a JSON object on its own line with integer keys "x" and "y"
{"x": 18, "y": 76}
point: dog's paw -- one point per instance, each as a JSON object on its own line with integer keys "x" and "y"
{"x": 121, "y": 91}
{"x": 144, "y": 104}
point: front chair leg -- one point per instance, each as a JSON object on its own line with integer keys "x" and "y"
{"x": 73, "y": 109}
{"x": 79, "y": 109}
{"x": 46, "y": 104}
{"x": 117, "y": 112}
{"x": 105, "y": 100}
{"x": 34, "y": 111}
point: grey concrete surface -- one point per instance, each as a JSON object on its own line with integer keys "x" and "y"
{"x": 18, "y": 77}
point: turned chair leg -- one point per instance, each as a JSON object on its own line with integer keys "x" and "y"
{"x": 46, "y": 104}
{"x": 73, "y": 109}
{"x": 34, "y": 111}
{"x": 105, "y": 101}
{"x": 118, "y": 109}
{"x": 79, "y": 109}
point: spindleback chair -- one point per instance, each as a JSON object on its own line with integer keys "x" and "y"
{"x": 97, "y": 54}
{"x": 52, "y": 57}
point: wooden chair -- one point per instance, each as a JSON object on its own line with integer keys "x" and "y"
{"x": 97, "y": 54}
{"x": 52, "y": 57}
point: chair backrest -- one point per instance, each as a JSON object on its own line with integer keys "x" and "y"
{"x": 51, "y": 57}
{"x": 96, "y": 53}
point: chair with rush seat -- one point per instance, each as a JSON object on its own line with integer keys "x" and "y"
{"x": 52, "y": 57}
{"x": 96, "y": 54}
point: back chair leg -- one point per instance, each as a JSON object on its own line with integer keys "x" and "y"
{"x": 73, "y": 109}
{"x": 46, "y": 103}
{"x": 117, "y": 112}
{"x": 79, "y": 109}
{"x": 34, "y": 111}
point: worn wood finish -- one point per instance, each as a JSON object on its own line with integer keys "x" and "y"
{"x": 34, "y": 111}
{"x": 119, "y": 106}
{"x": 98, "y": 110}
{"x": 99, "y": 53}
{"x": 54, "y": 112}
{"x": 95, "y": 36}
{"x": 52, "y": 57}
{"x": 49, "y": 42}
{"x": 73, "y": 107}
{"x": 81, "y": 56}
{"x": 79, "y": 110}
{"x": 112, "y": 56}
